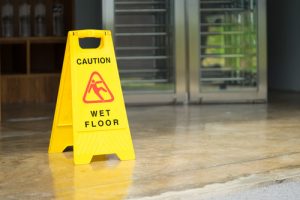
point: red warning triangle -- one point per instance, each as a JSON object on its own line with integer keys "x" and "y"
{"x": 97, "y": 91}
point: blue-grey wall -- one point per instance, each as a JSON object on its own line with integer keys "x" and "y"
{"x": 88, "y": 14}
{"x": 284, "y": 44}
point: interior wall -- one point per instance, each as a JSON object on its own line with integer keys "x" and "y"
{"x": 284, "y": 44}
{"x": 88, "y": 14}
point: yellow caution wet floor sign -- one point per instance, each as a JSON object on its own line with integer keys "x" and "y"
{"x": 90, "y": 113}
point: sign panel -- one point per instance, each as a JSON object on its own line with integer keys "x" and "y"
{"x": 95, "y": 122}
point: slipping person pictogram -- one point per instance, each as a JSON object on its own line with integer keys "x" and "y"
{"x": 97, "y": 91}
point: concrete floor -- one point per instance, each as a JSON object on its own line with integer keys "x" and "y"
{"x": 182, "y": 152}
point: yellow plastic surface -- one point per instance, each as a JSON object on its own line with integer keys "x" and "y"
{"x": 90, "y": 113}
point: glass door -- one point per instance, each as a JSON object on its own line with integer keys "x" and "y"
{"x": 145, "y": 45}
{"x": 227, "y": 50}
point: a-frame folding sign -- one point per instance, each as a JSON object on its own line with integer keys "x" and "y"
{"x": 90, "y": 113}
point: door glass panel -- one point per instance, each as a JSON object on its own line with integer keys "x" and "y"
{"x": 228, "y": 38}
{"x": 143, "y": 45}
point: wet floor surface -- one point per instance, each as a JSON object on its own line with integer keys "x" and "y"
{"x": 180, "y": 150}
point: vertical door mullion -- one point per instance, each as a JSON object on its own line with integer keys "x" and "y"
{"x": 108, "y": 14}
{"x": 194, "y": 53}
{"x": 180, "y": 51}
{"x": 262, "y": 49}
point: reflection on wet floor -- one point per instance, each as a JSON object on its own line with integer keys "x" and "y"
{"x": 105, "y": 178}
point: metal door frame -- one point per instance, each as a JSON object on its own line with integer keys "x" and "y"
{"x": 195, "y": 96}
{"x": 179, "y": 53}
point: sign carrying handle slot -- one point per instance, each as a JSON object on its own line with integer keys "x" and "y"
{"x": 91, "y": 34}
